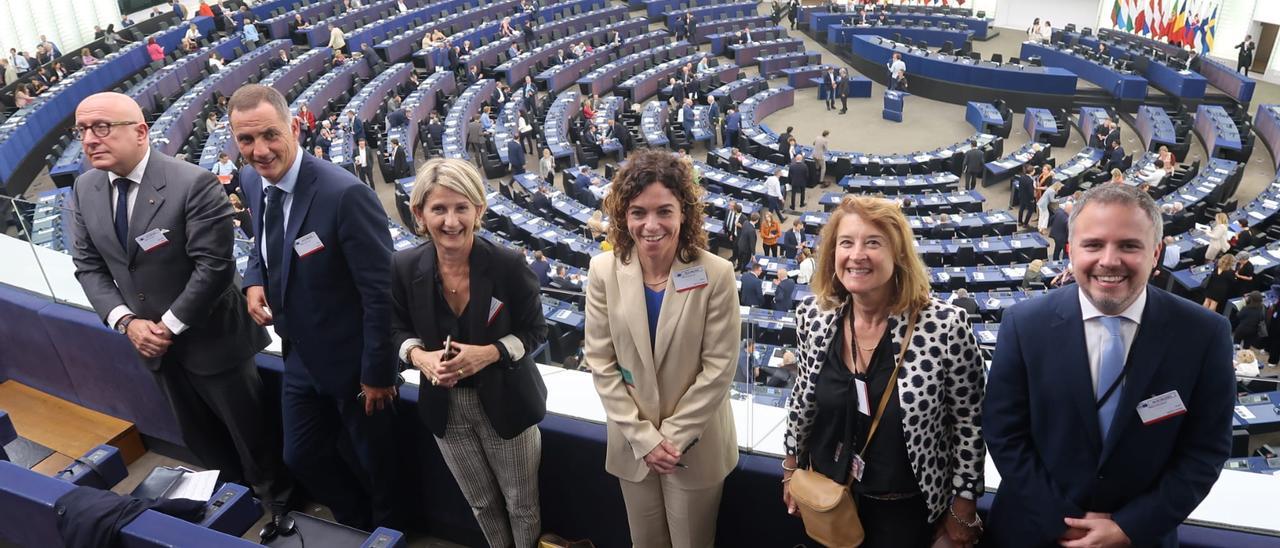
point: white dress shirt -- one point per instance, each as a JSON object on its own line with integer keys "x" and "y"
{"x": 773, "y": 187}
{"x": 135, "y": 180}
{"x": 1094, "y": 331}
{"x": 287, "y": 184}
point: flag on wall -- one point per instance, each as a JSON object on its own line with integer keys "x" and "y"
{"x": 1211, "y": 28}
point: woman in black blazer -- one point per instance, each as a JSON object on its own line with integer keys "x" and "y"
{"x": 482, "y": 397}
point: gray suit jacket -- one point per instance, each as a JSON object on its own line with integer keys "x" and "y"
{"x": 192, "y": 276}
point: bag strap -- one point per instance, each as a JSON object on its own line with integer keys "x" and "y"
{"x": 889, "y": 390}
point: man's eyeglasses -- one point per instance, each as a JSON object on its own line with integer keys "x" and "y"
{"x": 100, "y": 129}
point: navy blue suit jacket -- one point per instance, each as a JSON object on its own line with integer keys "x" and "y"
{"x": 1041, "y": 428}
{"x": 515, "y": 153}
{"x": 784, "y": 294}
{"x": 752, "y": 291}
{"x": 336, "y": 311}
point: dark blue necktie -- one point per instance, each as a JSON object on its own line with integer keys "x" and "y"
{"x": 122, "y": 211}
{"x": 273, "y": 226}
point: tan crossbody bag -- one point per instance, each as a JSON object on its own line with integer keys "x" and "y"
{"x": 828, "y": 509}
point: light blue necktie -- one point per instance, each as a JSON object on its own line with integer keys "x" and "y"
{"x": 1110, "y": 365}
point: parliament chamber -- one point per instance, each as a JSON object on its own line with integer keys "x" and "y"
{"x": 571, "y": 88}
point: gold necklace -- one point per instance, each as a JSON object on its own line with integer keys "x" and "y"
{"x": 658, "y": 283}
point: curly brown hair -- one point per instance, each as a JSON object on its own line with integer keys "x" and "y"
{"x": 648, "y": 166}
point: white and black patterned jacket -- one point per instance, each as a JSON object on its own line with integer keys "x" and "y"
{"x": 940, "y": 387}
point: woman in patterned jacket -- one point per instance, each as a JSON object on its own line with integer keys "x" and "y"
{"x": 921, "y": 473}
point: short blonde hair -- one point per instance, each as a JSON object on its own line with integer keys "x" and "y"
{"x": 457, "y": 175}
{"x": 911, "y": 279}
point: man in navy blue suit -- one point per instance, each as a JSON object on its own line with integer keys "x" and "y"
{"x": 515, "y": 156}
{"x": 1109, "y": 403}
{"x": 784, "y": 292}
{"x": 321, "y": 273}
{"x": 752, "y": 287}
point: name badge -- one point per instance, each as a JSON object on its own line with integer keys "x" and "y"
{"x": 857, "y": 466}
{"x": 495, "y": 306}
{"x": 153, "y": 239}
{"x": 307, "y": 245}
{"x": 1160, "y": 408}
{"x": 690, "y": 279}
{"x": 864, "y": 399}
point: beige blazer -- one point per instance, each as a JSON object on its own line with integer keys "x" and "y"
{"x": 680, "y": 388}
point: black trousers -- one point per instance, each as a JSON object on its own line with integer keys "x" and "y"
{"x": 844, "y": 103}
{"x": 224, "y": 422}
{"x": 1024, "y": 213}
{"x": 896, "y": 523}
{"x": 365, "y": 174}
{"x": 797, "y": 190}
{"x": 317, "y": 427}
{"x": 971, "y": 180}
{"x": 1058, "y": 250}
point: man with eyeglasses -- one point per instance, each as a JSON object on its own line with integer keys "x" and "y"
{"x": 152, "y": 247}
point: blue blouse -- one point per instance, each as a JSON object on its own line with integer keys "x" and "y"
{"x": 653, "y": 304}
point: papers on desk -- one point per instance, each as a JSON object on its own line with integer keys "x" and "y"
{"x": 979, "y": 276}
{"x": 563, "y": 314}
{"x": 986, "y": 337}
{"x": 194, "y": 486}
{"x": 1244, "y": 413}
{"x": 1014, "y": 272}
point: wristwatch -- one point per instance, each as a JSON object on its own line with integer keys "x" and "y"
{"x": 123, "y": 325}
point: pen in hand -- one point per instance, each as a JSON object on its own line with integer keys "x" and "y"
{"x": 686, "y": 450}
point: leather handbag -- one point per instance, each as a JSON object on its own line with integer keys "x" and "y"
{"x": 829, "y": 512}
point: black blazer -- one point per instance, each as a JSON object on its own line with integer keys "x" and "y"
{"x": 511, "y": 392}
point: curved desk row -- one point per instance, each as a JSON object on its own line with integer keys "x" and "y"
{"x": 603, "y": 78}
{"x": 900, "y": 184}
{"x": 1089, "y": 119}
{"x": 960, "y": 79}
{"x": 644, "y": 85}
{"x": 656, "y": 9}
{"x": 653, "y": 123}
{"x": 416, "y": 106}
{"x": 1217, "y": 131}
{"x": 712, "y": 12}
{"x": 556, "y": 131}
{"x": 584, "y": 21}
{"x": 464, "y": 108}
{"x": 1262, "y": 210}
{"x": 773, "y": 65}
{"x": 1220, "y": 75}
{"x": 724, "y": 32}
{"x": 740, "y": 89}
{"x": 1266, "y": 123}
{"x": 398, "y": 46}
{"x": 1126, "y": 86}
{"x": 1031, "y": 153}
{"x": 981, "y": 28}
{"x": 1071, "y": 170}
{"x": 1155, "y": 128}
{"x": 557, "y": 78}
{"x": 930, "y": 36}
{"x": 595, "y": 28}
{"x": 745, "y": 54}
{"x": 318, "y": 33}
{"x": 281, "y": 26}
{"x": 366, "y": 103}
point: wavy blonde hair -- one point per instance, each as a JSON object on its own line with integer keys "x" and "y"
{"x": 910, "y": 277}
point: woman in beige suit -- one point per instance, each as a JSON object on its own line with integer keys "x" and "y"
{"x": 662, "y": 337}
